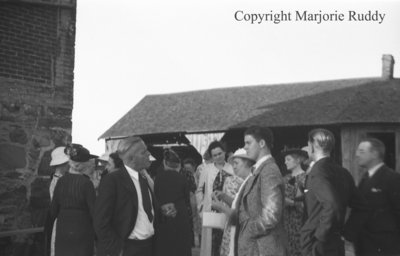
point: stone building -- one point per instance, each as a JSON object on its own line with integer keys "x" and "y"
{"x": 37, "y": 40}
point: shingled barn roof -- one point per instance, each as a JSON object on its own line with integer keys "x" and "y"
{"x": 368, "y": 100}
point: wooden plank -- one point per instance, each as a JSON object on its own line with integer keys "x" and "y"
{"x": 349, "y": 141}
{"x": 21, "y": 231}
{"x": 206, "y": 233}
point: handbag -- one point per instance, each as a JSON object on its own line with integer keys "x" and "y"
{"x": 214, "y": 220}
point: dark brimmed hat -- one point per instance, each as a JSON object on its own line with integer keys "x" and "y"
{"x": 295, "y": 151}
{"x": 78, "y": 153}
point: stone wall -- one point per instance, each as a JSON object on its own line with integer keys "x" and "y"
{"x": 37, "y": 40}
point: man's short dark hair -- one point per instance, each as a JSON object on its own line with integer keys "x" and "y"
{"x": 376, "y": 145}
{"x": 324, "y": 138}
{"x": 261, "y": 133}
{"x": 215, "y": 144}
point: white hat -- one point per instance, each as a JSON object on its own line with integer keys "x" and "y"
{"x": 58, "y": 156}
{"x": 105, "y": 157}
{"x": 241, "y": 152}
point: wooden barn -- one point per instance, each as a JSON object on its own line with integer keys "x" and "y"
{"x": 351, "y": 108}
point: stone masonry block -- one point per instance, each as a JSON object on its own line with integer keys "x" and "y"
{"x": 12, "y": 156}
{"x": 18, "y": 135}
{"x": 44, "y": 166}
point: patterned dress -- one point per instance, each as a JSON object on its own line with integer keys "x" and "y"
{"x": 293, "y": 214}
{"x": 217, "y": 233}
{"x": 231, "y": 187}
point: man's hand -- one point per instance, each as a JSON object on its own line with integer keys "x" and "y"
{"x": 169, "y": 210}
{"x": 221, "y": 207}
{"x": 289, "y": 201}
{"x": 217, "y": 205}
{"x": 217, "y": 195}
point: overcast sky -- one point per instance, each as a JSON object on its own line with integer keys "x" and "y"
{"x": 128, "y": 49}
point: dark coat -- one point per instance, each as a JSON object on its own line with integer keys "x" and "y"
{"x": 380, "y": 234}
{"x": 329, "y": 190}
{"x": 174, "y": 233}
{"x": 72, "y": 206}
{"x": 116, "y": 210}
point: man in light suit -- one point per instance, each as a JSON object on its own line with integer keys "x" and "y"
{"x": 258, "y": 214}
{"x": 124, "y": 217}
{"x": 329, "y": 190}
{"x": 380, "y": 186}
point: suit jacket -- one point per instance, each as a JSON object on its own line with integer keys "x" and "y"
{"x": 258, "y": 214}
{"x": 381, "y": 232}
{"x": 330, "y": 189}
{"x": 116, "y": 210}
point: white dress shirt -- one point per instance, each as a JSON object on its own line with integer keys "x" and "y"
{"x": 57, "y": 175}
{"x": 373, "y": 170}
{"x": 143, "y": 228}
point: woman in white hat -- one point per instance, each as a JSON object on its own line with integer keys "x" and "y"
{"x": 59, "y": 161}
{"x": 225, "y": 202}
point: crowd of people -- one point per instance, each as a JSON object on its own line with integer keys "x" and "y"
{"x": 310, "y": 211}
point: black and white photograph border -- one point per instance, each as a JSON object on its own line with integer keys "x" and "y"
{"x": 185, "y": 73}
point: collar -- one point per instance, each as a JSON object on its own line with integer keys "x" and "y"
{"x": 134, "y": 174}
{"x": 262, "y": 160}
{"x": 57, "y": 174}
{"x": 322, "y": 157}
{"x": 373, "y": 170}
{"x": 74, "y": 172}
{"x": 318, "y": 162}
{"x": 310, "y": 166}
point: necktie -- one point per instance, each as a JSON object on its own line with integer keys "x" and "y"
{"x": 146, "y": 202}
{"x": 305, "y": 183}
{"x": 364, "y": 181}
